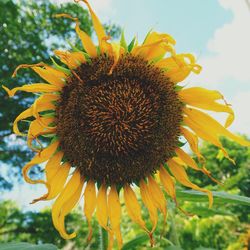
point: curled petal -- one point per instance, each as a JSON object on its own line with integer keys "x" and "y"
{"x": 43, "y": 156}
{"x": 178, "y": 67}
{"x": 33, "y": 88}
{"x": 36, "y": 129}
{"x": 180, "y": 174}
{"x": 193, "y": 142}
{"x": 71, "y": 59}
{"x": 49, "y": 74}
{"x": 65, "y": 203}
{"x": 56, "y": 183}
{"x": 200, "y": 118}
{"x": 187, "y": 160}
{"x": 206, "y": 99}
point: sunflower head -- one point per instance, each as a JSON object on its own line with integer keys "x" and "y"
{"x": 116, "y": 113}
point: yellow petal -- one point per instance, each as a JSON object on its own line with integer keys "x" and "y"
{"x": 89, "y": 203}
{"x": 117, "y": 51}
{"x": 157, "y": 196}
{"x": 43, "y": 156}
{"x": 133, "y": 207}
{"x": 33, "y": 88}
{"x": 149, "y": 203}
{"x": 193, "y": 142}
{"x": 86, "y": 41}
{"x": 178, "y": 67}
{"x": 51, "y": 75}
{"x": 102, "y": 207}
{"x": 206, "y": 99}
{"x": 180, "y": 174}
{"x": 153, "y": 50}
{"x": 100, "y": 32}
{"x": 155, "y": 36}
{"x": 26, "y": 113}
{"x": 114, "y": 212}
{"x": 187, "y": 159}
{"x": 71, "y": 59}
{"x": 53, "y": 165}
{"x": 111, "y": 240}
{"x": 60, "y": 207}
{"x": 56, "y": 183}
{"x": 167, "y": 183}
{"x": 212, "y": 125}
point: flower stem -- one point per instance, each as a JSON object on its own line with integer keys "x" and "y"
{"x": 174, "y": 237}
{"x": 103, "y": 238}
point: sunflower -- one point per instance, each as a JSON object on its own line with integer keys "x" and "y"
{"x": 116, "y": 113}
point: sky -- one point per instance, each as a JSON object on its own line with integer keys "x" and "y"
{"x": 216, "y": 31}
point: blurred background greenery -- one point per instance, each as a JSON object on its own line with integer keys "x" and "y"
{"x": 29, "y": 34}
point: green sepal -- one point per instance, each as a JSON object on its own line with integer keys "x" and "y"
{"x": 98, "y": 50}
{"x": 123, "y": 42}
{"x": 60, "y": 68}
{"x": 55, "y": 138}
{"x": 118, "y": 188}
{"x": 149, "y": 32}
{"x": 178, "y": 88}
{"x": 131, "y": 45}
{"x": 48, "y": 135}
{"x": 87, "y": 56}
{"x": 27, "y": 121}
{"x": 73, "y": 47}
{"x": 49, "y": 115}
{"x": 181, "y": 144}
{"x": 157, "y": 59}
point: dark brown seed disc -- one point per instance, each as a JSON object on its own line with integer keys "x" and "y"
{"x": 118, "y": 128}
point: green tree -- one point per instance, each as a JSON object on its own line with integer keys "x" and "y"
{"x": 232, "y": 176}
{"x": 37, "y": 227}
{"x": 29, "y": 34}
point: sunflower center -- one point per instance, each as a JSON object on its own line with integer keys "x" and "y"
{"x": 118, "y": 128}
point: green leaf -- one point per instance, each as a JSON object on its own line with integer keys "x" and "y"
{"x": 204, "y": 248}
{"x": 205, "y": 211}
{"x": 174, "y": 248}
{"x": 135, "y": 242}
{"x": 219, "y": 197}
{"x": 26, "y": 246}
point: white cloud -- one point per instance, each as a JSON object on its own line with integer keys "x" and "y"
{"x": 229, "y": 48}
{"x": 241, "y": 109}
